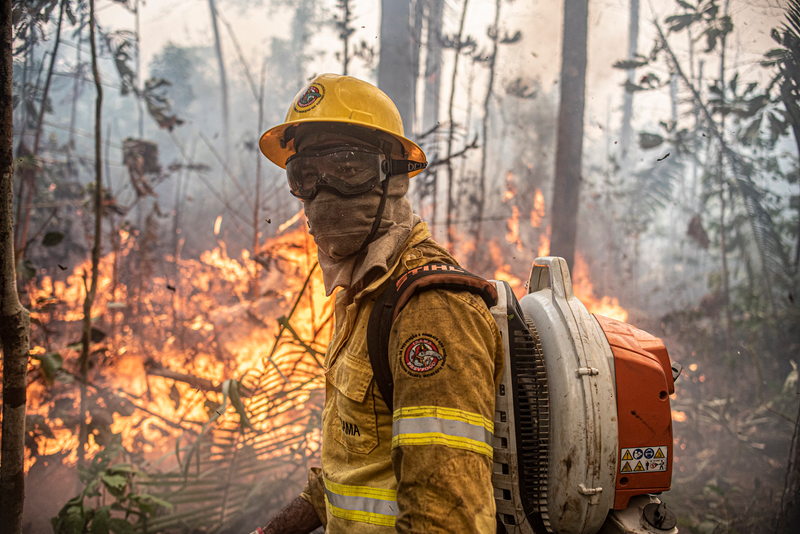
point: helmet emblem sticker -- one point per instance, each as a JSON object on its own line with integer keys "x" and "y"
{"x": 310, "y": 98}
{"x": 422, "y": 355}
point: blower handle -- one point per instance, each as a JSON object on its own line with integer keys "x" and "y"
{"x": 553, "y": 272}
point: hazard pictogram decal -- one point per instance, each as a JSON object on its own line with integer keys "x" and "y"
{"x": 643, "y": 459}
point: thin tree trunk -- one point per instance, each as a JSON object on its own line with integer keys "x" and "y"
{"x": 14, "y": 318}
{"x": 722, "y": 190}
{"x": 75, "y": 91}
{"x": 257, "y": 203}
{"x": 395, "y": 67}
{"x": 627, "y": 103}
{"x": 345, "y": 35}
{"x": 139, "y": 70}
{"x": 433, "y": 82}
{"x": 569, "y": 150}
{"x": 98, "y": 237}
{"x": 222, "y": 79}
{"x": 485, "y": 126}
{"x": 451, "y": 132}
{"x": 54, "y": 55}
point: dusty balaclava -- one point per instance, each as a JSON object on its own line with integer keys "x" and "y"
{"x": 340, "y": 224}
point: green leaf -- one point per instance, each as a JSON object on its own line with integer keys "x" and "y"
{"x": 85, "y": 474}
{"x": 51, "y": 364}
{"x": 175, "y": 396}
{"x": 649, "y": 140}
{"x": 120, "y": 526}
{"x": 149, "y": 504}
{"x": 115, "y": 483}
{"x": 75, "y": 520}
{"x": 679, "y": 22}
{"x": 212, "y": 408}
{"x": 100, "y": 521}
{"x": 777, "y": 127}
{"x": 26, "y": 270}
{"x": 686, "y": 5}
{"x": 236, "y": 401}
{"x": 751, "y": 133}
{"x": 628, "y": 64}
{"x": 52, "y": 239}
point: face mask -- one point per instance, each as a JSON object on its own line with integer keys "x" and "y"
{"x": 340, "y": 224}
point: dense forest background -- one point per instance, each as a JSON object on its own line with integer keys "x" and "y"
{"x": 177, "y": 314}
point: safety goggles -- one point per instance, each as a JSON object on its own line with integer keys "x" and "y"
{"x": 349, "y": 170}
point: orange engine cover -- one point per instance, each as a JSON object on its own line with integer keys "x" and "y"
{"x": 644, "y": 383}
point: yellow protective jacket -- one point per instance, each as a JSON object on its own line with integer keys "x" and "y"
{"x": 427, "y": 467}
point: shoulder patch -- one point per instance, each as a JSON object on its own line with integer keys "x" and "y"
{"x": 422, "y": 355}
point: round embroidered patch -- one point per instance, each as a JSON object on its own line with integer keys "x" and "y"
{"x": 422, "y": 355}
{"x": 310, "y": 98}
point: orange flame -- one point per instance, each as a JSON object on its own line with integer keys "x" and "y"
{"x": 537, "y": 213}
{"x": 583, "y": 288}
{"x": 202, "y": 321}
{"x": 513, "y": 229}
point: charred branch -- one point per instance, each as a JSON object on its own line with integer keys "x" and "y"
{"x": 155, "y": 368}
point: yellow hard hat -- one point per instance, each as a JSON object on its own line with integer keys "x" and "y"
{"x": 332, "y": 98}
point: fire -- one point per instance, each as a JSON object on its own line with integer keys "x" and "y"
{"x": 537, "y": 213}
{"x": 511, "y": 188}
{"x": 170, "y": 339}
{"x": 513, "y": 229}
{"x": 544, "y": 244}
{"x": 583, "y": 288}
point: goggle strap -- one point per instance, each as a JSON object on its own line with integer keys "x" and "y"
{"x": 395, "y": 167}
{"x": 378, "y": 217}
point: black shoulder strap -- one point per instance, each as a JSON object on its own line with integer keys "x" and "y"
{"x": 397, "y": 295}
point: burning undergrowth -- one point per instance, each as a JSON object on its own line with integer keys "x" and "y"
{"x": 205, "y": 393}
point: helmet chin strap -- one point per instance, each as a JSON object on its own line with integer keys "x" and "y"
{"x": 378, "y": 217}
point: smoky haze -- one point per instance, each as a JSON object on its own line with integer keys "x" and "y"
{"x": 687, "y": 228}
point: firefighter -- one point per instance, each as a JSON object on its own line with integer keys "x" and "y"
{"x": 426, "y": 466}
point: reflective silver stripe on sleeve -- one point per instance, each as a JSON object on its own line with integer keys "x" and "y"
{"x": 449, "y": 427}
{"x": 362, "y": 504}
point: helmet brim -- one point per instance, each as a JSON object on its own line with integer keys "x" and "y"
{"x": 270, "y": 143}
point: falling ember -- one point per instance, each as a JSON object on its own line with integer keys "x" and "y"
{"x": 217, "y": 225}
{"x": 537, "y": 213}
{"x": 583, "y": 288}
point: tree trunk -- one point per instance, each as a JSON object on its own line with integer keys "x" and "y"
{"x": 569, "y": 149}
{"x": 223, "y": 81}
{"x": 481, "y": 193}
{"x": 722, "y": 190}
{"x": 98, "y": 237}
{"x": 14, "y": 319}
{"x": 433, "y": 82}
{"x": 257, "y": 203}
{"x": 627, "y": 103}
{"x": 451, "y": 131}
{"x": 139, "y": 87}
{"x": 396, "y": 75}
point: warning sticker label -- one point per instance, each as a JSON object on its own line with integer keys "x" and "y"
{"x": 643, "y": 460}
